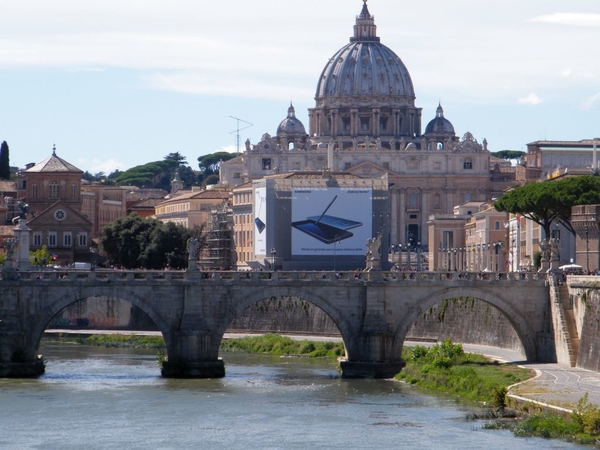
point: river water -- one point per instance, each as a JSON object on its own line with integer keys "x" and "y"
{"x": 97, "y": 398}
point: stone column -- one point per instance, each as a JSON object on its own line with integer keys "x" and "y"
{"x": 370, "y": 357}
{"x": 22, "y": 236}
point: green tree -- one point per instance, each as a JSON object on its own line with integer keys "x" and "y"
{"x": 550, "y": 201}
{"x": 167, "y": 247}
{"x": 4, "y": 162}
{"x": 157, "y": 174}
{"x": 40, "y": 257}
{"x": 210, "y": 163}
{"x": 508, "y": 154}
{"x": 124, "y": 240}
{"x": 136, "y": 243}
{"x": 176, "y": 158}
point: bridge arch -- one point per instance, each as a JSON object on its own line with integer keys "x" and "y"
{"x": 521, "y": 327}
{"x": 312, "y": 296}
{"x": 57, "y": 303}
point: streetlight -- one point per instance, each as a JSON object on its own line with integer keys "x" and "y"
{"x": 273, "y": 253}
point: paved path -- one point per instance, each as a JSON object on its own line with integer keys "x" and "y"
{"x": 556, "y": 386}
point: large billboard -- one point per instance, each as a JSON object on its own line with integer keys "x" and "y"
{"x": 331, "y": 221}
{"x": 260, "y": 221}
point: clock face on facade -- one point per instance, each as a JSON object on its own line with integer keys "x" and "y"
{"x": 60, "y": 215}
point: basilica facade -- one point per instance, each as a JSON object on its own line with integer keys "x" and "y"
{"x": 365, "y": 122}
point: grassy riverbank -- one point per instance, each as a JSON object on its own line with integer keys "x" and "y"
{"x": 445, "y": 367}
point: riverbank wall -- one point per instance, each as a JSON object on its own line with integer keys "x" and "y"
{"x": 461, "y": 320}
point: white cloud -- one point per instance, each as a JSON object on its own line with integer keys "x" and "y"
{"x": 100, "y": 165}
{"x": 570, "y": 19}
{"x": 578, "y": 75}
{"x": 531, "y": 99}
{"x": 229, "y": 85}
{"x": 592, "y": 102}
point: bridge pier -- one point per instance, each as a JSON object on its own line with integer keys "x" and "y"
{"x": 371, "y": 354}
{"x": 17, "y": 358}
{"x": 31, "y": 369}
{"x": 353, "y": 369}
{"x": 193, "y": 355}
{"x": 193, "y": 369}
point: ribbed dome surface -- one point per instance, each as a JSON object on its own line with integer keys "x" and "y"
{"x": 365, "y": 67}
{"x": 439, "y": 125}
{"x": 291, "y": 125}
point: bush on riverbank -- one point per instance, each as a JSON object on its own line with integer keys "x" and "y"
{"x": 275, "y": 344}
{"x": 111, "y": 340}
{"x": 446, "y": 367}
{"x": 582, "y": 426}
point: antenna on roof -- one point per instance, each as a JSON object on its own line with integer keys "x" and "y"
{"x": 237, "y": 132}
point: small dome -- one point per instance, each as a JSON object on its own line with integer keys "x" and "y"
{"x": 291, "y": 126}
{"x": 439, "y": 125}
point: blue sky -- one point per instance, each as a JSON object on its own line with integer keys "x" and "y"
{"x": 116, "y": 84}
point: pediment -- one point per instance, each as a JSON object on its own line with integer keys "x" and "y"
{"x": 59, "y": 215}
{"x": 367, "y": 169}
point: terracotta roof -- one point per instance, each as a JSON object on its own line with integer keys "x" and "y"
{"x": 208, "y": 194}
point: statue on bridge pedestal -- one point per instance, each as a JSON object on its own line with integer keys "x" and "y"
{"x": 9, "y": 248}
{"x": 192, "y": 248}
{"x": 20, "y": 219}
{"x": 545, "y": 248}
{"x": 374, "y": 253}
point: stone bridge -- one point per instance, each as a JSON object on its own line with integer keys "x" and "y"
{"x": 373, "y": 311}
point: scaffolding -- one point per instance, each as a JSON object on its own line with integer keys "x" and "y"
{"x": 217, "y": 253}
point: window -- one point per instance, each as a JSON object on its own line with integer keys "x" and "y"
{"x": 266, "y": 163}
{"x": 34, "y": 191}
{"x": 347, "y": 165}
{"x": 236, "y": 175}
{"x": 73, "y": 191}
{"x": 496, "y": 225}
{"x": 346, "y": 123}
{"x": 37, "y": 239}
{"x": 53, "y": 190}
{"x": 383, "y": 121}
{"x": 52, "y": 238}
{"x": 468, "y": 164}
{"x": 82, "y": 240}
{"x": 413, "y": 199}
{"x": 364, "y": 123}
{"x": 386, "y": 165}
{"x": 67, "y": 239}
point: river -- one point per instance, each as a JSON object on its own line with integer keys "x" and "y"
{"x": 97, "y": 398}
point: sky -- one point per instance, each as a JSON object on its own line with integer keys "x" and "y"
{"x": 119, "y": 83}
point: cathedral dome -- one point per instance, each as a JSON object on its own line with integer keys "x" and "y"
{"x": 291, "y": 125}
{"x": 365, "y": 67}
{"x": 439, "y": 125}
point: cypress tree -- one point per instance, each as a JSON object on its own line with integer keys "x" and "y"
{"x": 4, "y": 163}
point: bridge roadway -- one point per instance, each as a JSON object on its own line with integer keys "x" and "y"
{"x": 192, "y": 309}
